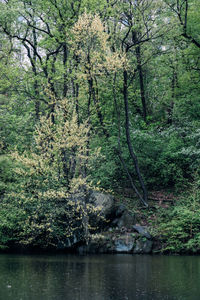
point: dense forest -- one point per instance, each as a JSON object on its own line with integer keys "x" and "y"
{"x": 99, "y": 95}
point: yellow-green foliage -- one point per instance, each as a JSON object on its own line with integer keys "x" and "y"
{"x": 91, "y": 44}
{"x": 53, "y": 180}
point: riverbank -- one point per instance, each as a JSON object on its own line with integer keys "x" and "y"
{"x": 170, "y": 225}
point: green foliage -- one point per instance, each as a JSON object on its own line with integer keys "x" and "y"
{"x": 79, "y": 50}
{"x": 168, "y": 157}
{"x": 6, "y": 174}
{"x": 107, "y": 170}
{"x": 16, "y": 131}
{"x": 12, "y": 218}
{"x": 177, "y": 228}
{"x": 50, "y": 195}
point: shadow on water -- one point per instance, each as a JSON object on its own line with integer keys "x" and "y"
{"x": 99, "y": 277}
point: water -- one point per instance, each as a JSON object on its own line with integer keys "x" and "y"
{"x": 99, "y": 277}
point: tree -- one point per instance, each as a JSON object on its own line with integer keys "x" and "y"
{"x": 187, "y": 12}
{"x": 51, "y": 195}
{"x": 138, "y": 26}
{"x": 95, "y": 59}
{"x": 40, "y": 29}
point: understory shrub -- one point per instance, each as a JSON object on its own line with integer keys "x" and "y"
{"x": 178, "y": 227}
{"x": 168, "y": 157}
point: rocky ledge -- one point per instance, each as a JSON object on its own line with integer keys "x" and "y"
{"x": 117, "y": 231}
{"x": 135, "y": 241}
{"x": 119, "y": 234}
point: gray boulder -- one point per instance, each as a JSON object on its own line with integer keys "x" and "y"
{"x": 126, "y": 220}
{"x": 105, "y": 201}
{"x": 120, "y": 243}
{"x": 124, "y": 244}
{"x": 142, "y": 230}
{"x": 143, "y": 246}
{"x": 97, "y": 244}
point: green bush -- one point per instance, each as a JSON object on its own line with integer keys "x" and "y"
{"x": 7, "y": 178}
{"x": 178, "y": 228}
{"x": 168, "y": 157}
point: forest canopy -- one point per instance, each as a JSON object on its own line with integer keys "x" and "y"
{"x": 98, "y": 95}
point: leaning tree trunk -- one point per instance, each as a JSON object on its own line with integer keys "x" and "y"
{"x": 119, "y": 150}
{"x": 128, "y": 138}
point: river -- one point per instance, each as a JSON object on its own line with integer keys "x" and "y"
{"x": 99, "y": 277}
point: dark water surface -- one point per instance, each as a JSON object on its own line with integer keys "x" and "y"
{"x": 99, "y": 277}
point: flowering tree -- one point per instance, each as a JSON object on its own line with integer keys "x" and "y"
{"x": 53, "y": 187}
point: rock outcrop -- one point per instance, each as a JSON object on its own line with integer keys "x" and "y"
{"x": 116, "y": 241}
{"x": 116, "y": 230}
{"x": 104, "y": 201}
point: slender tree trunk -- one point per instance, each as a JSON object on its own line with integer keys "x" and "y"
{"x": 141, "y": 81}
{"x": 65, "y": 167}
{"x": 77, "y": 103}
{"x": 119, "y": 150}
{"x": 173, "y": 86}
{"x": 97, "y": 106}
{"x": 36, "y": 86}
{"x": 128, "y": 138}
{"x": 37, "y": 101}
{"x": 93, "y": 95}
{"x": 65, "y": 70}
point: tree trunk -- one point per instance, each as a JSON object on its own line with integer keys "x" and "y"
{"x": 173, "y": 86}
{"x": 141, "y": 81}
{"x": 119, "y": 150}
{"x": 65, "y": 70}
{"x": 128, "y": 138}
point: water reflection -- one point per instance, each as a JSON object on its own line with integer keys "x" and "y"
{"x": 103, "y": 277}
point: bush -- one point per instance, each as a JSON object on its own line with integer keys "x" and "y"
{"x": 178, "y": 228}
{"x": 168, "y": 157}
